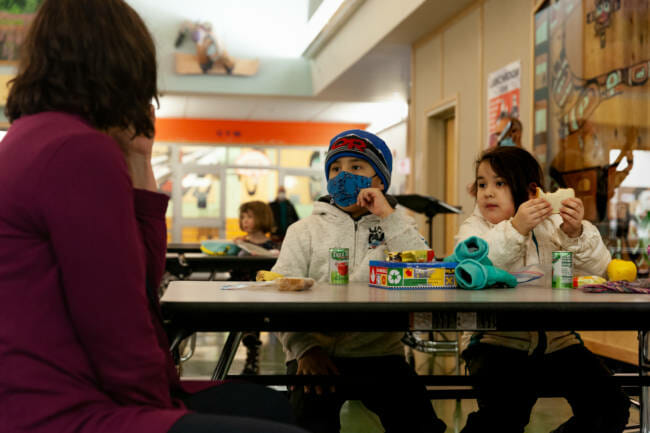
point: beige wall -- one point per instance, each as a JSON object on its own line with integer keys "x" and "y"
{"x": 454, "y": 61}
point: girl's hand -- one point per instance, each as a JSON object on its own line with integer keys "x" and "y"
{"x": 572, "y": 213}
{"x": 375, "y": 201}
{"x": 531, "y": 213}
{"x": 315, "y": 361}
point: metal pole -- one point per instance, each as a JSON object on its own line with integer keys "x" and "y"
{"x": 644, "y": 370}
{"x": 227, "y": 355}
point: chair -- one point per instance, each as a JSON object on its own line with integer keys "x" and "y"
{"x": 430, "y": 207}
{"x": 433, "y": 346}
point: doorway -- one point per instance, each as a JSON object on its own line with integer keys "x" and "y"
{"x": 442, "y": 179}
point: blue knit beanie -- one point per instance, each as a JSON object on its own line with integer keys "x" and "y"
{"x": 363, "y": 145}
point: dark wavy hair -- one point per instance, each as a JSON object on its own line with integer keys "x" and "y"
{"x": 93, "y": 58}
{"x": 517, "y": 167}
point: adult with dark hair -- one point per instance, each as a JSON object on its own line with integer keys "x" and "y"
{"x": 284, "y": 214}
{"x": 82, "y": 237}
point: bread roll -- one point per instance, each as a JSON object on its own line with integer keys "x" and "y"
{"x": 556, "y": 198}
{"x": 294, "y": 284}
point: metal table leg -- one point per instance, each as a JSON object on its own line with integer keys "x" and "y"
{"x": 644, "y": 370}
{"x": 227, "y": 355}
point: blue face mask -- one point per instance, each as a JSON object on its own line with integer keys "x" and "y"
{"x": 345, "y": 187}
{"x": 506, "y": 142}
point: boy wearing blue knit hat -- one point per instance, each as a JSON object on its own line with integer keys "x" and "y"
{"x": 358, "y": 215}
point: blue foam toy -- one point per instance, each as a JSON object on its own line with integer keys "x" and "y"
{"x": 474, "y": 248}
{"x": 473, "y": 275}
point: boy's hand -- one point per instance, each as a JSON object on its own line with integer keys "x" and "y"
{"x": 531, "y": 213}
{"x": 572, "y": 213}
{"x": 375, "y": 201}
{"x": 316, "y": 361}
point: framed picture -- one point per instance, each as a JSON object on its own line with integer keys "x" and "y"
{"x": 591, "y": 112}
{"x": 15, "y": 17}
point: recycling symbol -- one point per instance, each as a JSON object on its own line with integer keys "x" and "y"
{"x": 394, "y": 276}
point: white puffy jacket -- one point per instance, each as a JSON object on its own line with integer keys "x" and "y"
{"x": 305, "y": 253}
{"x": 512, "y": 251}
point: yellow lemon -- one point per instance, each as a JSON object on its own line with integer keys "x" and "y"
{"x": 618, "y": 270}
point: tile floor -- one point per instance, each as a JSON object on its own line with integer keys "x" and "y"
{"x": 547, "y": 414}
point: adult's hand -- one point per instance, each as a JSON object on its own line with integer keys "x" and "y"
{"x": 137, "y": 152}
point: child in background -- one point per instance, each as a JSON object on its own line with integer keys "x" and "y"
{"x": 359, "y": 216}
{"x": 520, "y": 231}
{"x": 256, "y": 219}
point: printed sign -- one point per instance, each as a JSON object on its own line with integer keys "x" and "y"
{"x": 503, "y": 96}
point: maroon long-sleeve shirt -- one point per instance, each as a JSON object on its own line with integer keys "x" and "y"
{"x": 80, "y": 348}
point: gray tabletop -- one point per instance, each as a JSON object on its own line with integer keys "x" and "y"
{"x": 357, "y": 306}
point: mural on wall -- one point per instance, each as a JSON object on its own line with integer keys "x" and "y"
{"x": 211, "y": 55}
{"x": 600, "y": 17}
{"x": 15, "y": 17}
{"x": 592, "y": 110}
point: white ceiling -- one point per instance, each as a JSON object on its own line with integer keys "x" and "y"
{"x": 374, "y": 90}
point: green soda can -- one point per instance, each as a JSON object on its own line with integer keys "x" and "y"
{"x": 562, "y": 270}
{"x": 339, "y": 258}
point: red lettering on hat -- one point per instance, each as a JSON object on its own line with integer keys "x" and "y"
{"x": 351, "y": 143}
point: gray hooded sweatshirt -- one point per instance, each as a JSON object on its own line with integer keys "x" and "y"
{"x": 305, "y": 253}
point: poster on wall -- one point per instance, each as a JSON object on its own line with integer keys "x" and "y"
{"x": 503, "y": 99}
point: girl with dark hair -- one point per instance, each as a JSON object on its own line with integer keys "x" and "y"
{"x": 83, "y": 239}
{"x": 520, "y": 230}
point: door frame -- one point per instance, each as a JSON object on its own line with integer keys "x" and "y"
{"x": 436, "y": 117}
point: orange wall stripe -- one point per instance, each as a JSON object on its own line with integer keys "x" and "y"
{"x": 249, "y": 132}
